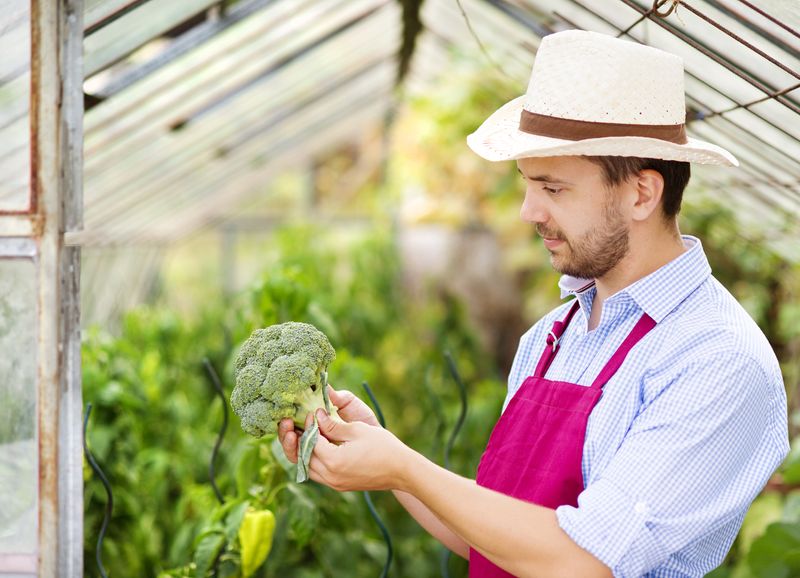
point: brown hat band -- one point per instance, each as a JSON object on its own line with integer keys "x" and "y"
{"x": 568, "y": 129}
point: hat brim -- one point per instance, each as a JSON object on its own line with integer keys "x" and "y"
{"x": 499, "y": 139}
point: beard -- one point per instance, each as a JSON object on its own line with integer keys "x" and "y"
{"x": 597, "y": 251}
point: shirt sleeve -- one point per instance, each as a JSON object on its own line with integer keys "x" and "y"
{"x": 693, "y": 461}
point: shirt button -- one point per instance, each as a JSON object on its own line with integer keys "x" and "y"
{"x": 640, "y": 508}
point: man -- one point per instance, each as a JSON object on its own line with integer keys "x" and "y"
{"x": 645, "y": 415}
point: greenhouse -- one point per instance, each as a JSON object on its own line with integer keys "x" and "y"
{"x": 177, "y": 174}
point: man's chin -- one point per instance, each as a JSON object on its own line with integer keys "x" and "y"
{"x": 560, "y": 266}
{"x": 557, "y": 262}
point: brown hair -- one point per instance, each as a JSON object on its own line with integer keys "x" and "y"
{"x": 676, "y": 176}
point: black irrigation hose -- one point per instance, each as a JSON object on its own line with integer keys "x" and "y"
{"x": 384, "y": 533}
{"x": 218, "y": 388}
{"x": 462, "y": 392}
{"x": 374, "y": 401}
{"x": 368, "y": 498}
{"x": 109, "y": 505}
{"x": 444, "y": 558}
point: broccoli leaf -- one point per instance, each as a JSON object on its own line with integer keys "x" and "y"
{"x": 325, "y": 395}
{"x": 306, "y": 447}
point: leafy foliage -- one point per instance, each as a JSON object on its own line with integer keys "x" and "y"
{"x": 156, "y": 419}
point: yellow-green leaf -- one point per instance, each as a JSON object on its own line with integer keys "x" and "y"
{"x": 255, "y": 539}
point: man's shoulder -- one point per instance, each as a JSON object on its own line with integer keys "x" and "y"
{"x": 712, "y": 324}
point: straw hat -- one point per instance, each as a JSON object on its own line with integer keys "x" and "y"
{"x": 592, "y": 94}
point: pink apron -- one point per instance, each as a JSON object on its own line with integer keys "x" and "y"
{"x": 535, "y": 450}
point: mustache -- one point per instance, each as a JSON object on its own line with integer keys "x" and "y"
{"x": 548, "y": 234}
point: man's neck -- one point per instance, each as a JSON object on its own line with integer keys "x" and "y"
{"x": 646, "y": 256}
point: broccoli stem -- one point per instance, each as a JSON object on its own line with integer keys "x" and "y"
{"x": 309, "y": 403}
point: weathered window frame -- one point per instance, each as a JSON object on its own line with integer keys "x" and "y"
{"x": 56, "y": 119}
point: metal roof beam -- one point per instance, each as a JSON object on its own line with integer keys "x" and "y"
{"x": 108, "y": 12}
{"x": 288, "y": 59}
{"x": 515, "y": 13}
{"x": 145, "y": 22}
{"x": 753, "y": 27}
{"x": 185, "y": 43}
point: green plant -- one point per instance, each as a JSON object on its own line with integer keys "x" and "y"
{"x": 155, "y": 415}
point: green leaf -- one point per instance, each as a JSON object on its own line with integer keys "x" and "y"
{"x": 228, "y": 569}
{"x": 303, "y": 515}
{"x": 255, "y": 539}
{"x": 207, "y": 551}
{"x": 776, "y": 554}
{"x": 247, "y": 469}
{"x": 280, "y": 457}
{"x": 234, "y": 520}
{"x": 307, "y": 442}
{"x": 791, "y": 465}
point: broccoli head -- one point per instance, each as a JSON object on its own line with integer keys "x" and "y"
{"x": 281, "y": 371}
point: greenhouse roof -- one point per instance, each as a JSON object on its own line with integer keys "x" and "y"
{"x": 192, "y": 106}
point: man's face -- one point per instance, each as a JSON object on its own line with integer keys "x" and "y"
{"x": 579, "y": 218}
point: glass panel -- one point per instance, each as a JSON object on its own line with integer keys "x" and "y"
{"x": 18, "y": 439}
{"x": 15, "y": 80}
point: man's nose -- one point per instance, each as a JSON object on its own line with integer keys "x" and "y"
{"x": 532, "y": 210}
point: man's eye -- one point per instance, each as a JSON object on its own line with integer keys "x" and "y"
{"x": 552, "y": 190}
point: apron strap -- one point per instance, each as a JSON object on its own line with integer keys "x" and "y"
{"x": 642, "y": 327}
{"x": 553, "y": 339}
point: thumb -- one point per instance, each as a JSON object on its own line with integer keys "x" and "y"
{"x": 334, "y": 430}
{"x": 340, "y": 398}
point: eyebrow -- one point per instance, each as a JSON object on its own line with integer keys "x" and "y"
{"x": 544, "y": 178}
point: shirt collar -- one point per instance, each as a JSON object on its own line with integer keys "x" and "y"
{"x": 662, "y": 290}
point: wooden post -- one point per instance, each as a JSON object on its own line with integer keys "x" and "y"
{"x": 56, "y": 120}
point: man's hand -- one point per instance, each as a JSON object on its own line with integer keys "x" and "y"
{"x": 350, "y": 408}
{"x": 357, "y": 456}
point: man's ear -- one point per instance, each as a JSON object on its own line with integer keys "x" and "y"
{"x": 649, "y": 186}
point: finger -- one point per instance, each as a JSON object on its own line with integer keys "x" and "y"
{"x": 285, "y": 426}
{"x": 309, "y": 420}
{"x": 322, "y": 460}
{"x": 351, "y": 408}
{"x": 319, "y": 475}
{"x": 335, "y": 430}
{"x": 289, "y": 445}
{"x": 340, "y": 398}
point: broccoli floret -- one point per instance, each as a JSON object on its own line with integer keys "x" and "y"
{"x": 281, "y": 371}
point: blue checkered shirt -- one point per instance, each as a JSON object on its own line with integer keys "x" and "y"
{"x": 686, "y": 433}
